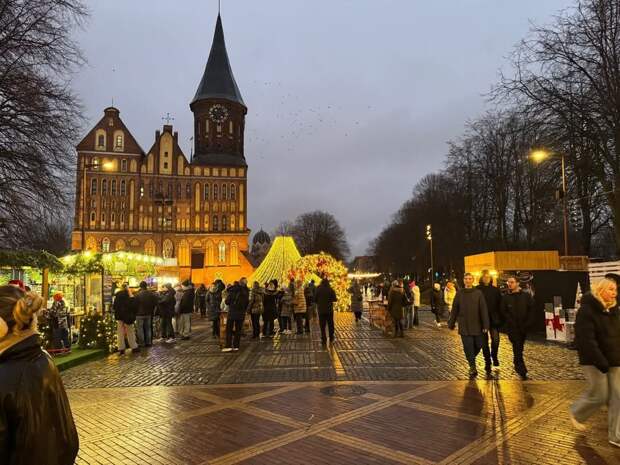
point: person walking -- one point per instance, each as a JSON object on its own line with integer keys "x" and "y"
{"x": 469, "y": 310}
{"x": 214, "y": 302}
{"x": 309, "y": 293}
{"x": 597, "y": 338}
{"x": 125, "y": 315}
{"x": 146, "y": 301}
{"x": 415, "y": 292}
{"x": 36, "y": 423}
{"x": 357, "y": 300}
{"x": 255, "y": 308}
{"x": 201, "y": 300}
{"x": 517, "y": 311}
{"x": 167, "y": 302}
{"x": 325, "y": 298}
{"x": 493, "y": 299}
{"x": 270, "y": 305}
{"x": 287, "y": 305}
{"x": 408, "y": 308}
{"x": 178, "y": 295}
{"x": 300, "y": 308}
{"x": 449, "y": 294}
{"x": 437, "y": 303}
{"x": 186, "y": 308}
{"x": 237, "y": 299}
{"x": 397, "y": 301}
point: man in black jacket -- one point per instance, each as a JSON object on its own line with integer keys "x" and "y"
{"x": 469, "y": 309}
{"x": 309, "y": 293}
{"x": 186, "y": 308}
{"x": 325, "y": 296}
{"x": 146, "y": 302}
{"x": 493, "y": 299}
{"x": 238, "y": 299}
{"x": 517, "y": 309}
{"x": 125, "y": 314}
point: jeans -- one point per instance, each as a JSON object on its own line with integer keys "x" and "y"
{"x": 285, "y": 323}
{"x": 167, "y": 331}
{"x": 471, "y": 347}
{"x": 518, "y": 342}
{"x": 233, "y": 333}
{"x": 215, "y": 329}
{"x": 409, "y": 316}
{"x": 124, "y": 330}
{"x": 603, "y": 389}
{"x": 255, "y": 325}
{"x": 299, "y": 320}
{"x": 493, "y": 334}
{"x": 267, "y": 325}
{"x": 184, "y": 322}
{"x": 327, "y": 319}
{"x": 143, "y": 330}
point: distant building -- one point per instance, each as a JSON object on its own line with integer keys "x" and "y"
{"x": 261, "y": 243}
{"x": 159, "y": 202}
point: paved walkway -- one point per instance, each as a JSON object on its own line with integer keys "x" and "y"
{"x": 366, "y": 400}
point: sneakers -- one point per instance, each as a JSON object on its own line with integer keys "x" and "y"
{"x": 159, "y": 339}
{"x": 580, "y": 426}
{"x": 227, "y": 349}
{"x": 235, "y": 349}
{"x": 170, "y": 340}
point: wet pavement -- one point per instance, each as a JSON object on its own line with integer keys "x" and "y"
{"x": 367, "y": 399}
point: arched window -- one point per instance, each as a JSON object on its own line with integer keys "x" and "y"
{"x": 113, "y": 187}
{"x": 206, "y": 222}
{"x": 169, "y": 194}
{"x": 105, "y": 245}
{"x": 224, "y": 223}
{"x": 91, "y": 244}
{"x": 221, "y": 249}
{"x": 104, "y": 187}
{"x": 188, "y": 191}
{"x": 93, "y": 216}
{"x": 230, "y": 128}
{"x": 168, "y": 251}
{"x": 123, "y": 165}
{"x": 224, "y": 192}
{"x": 232, "y": 222}
{"x": 120, "y": 245}
{"x": 234, "y": 253}
{"x": 209, "y": 253}
{"x": 183, "y": 255}
{"x": 216, "y": 226}
{"x": 112, "y": 217}
{"x": 100, "y": 141}
{"x": 206, "y": 196}
{"x": 233, "y": 192}
{"x": 149, "y": 247}
{"x": 122, "y": 218}
{"x": 93, "y": 187}
{"x": 118, "y": 143}
{"x": 123, "y": 188}
{"x": 178, "y": 191}
{"x": 215, "y": 191}
{"x": 103, "y": 218}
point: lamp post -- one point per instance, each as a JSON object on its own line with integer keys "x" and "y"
{"x": 429, "y": 238}
{"x": 539, "y": 156}
{"x": 85, "y": 166}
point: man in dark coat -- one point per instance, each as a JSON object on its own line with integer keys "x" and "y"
{"x": 493, "y": 299}
{"x": 237, "y": 300}
{"x": 309, "y": 293}
{"x": 186, "y": 308}
{"x": 146, "y": 301}
{"x": 125, "y": 314}
{"x": 166, "y": 305}
{"x": 325, "y": 297}
{"x": 469, "y": 309}
{"x": 517, "y": 309}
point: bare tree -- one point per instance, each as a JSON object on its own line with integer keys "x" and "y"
{"x": 39, "y": 115}
{"x": 319, "y": 231}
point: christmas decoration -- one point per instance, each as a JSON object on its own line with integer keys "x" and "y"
{"x": 29, "y": 258}
{"x": 127, "y": 263}
{"x": 281, "y": 257}
{"x": 322, "y": 264}
{"x": 97, "y": 332}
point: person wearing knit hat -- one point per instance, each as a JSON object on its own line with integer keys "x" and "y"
{"x": 27, "y": 423}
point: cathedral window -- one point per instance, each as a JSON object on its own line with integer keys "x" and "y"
{"x": 216, "y": 226}
{"x": 112, "y": 217}
{"x": 100, "y": 141}
{"x": 221, "y": 248}
{"x": 124, "y": 165}
{"x": 151, "y": 188}
{"x": 123, "y": 188}
{"x": 215, "y": 191}
{"x": 103, "y": 218}
{"x": 230, "y": 128}
{"x": 188, "y": 191}
{"x": 233, "y": 192}
{"x": 206, "y": 197}
{"x": 224, "y": 192}
{"x": 118, "y": 144}
{"x": 219, "y": 130}
{"x": 104, "y": 187}
{"x": 224, "y": 223}
{"x": 169, "y": 194}
{"x": 93, "y": 203}
{"x": 93, "y": 187}
{"x": 92, "y": 217}
{"x": 165, "y": 165}
{"x": 105, "y": 245}
{"x": 207, "y": 129}
{"x": 178, "y": 191}
{"x": 113, "y": 187}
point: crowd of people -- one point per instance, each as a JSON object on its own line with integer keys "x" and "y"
{"x": 168, "y": 315}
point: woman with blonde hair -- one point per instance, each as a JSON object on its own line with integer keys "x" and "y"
{"x": 597, "y": 338}
{"x": 36, "y": 424}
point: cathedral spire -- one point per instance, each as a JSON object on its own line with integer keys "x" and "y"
{"x": 218, "y": 80}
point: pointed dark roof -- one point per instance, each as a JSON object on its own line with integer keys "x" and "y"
{"x": 218, "y": 80}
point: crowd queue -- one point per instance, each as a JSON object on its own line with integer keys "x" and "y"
{"x": 34, "y": 408}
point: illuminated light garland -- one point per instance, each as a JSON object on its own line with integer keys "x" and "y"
{"x": 282, "y": 256}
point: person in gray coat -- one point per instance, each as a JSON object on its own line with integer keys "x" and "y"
{"x": 469, "y": 310}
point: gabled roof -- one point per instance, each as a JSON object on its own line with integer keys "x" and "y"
{"x": 176, "y": 148}
{"x": 110, "y": 122}
{"x": 218, "y": 80}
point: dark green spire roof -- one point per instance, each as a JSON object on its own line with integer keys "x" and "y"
{"x": 218, "y": 80}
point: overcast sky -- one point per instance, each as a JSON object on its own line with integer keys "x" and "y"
{"x": 350, "y": 102}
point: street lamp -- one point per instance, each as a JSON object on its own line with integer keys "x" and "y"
{"x": 540, "y": 155}
{"x": 429, "y": 238}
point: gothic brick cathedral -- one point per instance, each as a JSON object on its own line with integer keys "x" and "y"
{"x": 158, "y": 202}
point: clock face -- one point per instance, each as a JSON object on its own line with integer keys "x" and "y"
{"x": 218, "y": 113}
